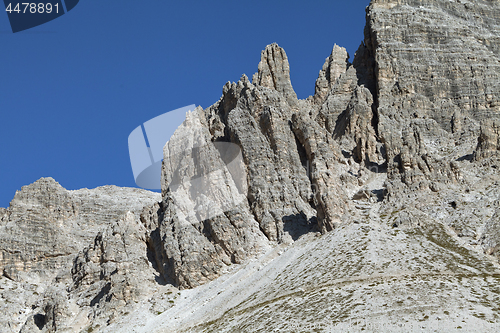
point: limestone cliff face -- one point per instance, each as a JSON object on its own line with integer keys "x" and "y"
{"x": 437, "y": 76}
{"x": 387, "y": 176}
{"x": 489, "y": 139}
{"x": 418, "y": 98}
{"x": 291, "y": 167}
{"x": 46, "y": 225}
{"x": 43, "y": 238}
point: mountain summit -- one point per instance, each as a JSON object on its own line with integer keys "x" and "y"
{"x": 373, "y": 204}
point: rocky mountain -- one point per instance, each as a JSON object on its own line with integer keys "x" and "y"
{"x": 373, "y": 204}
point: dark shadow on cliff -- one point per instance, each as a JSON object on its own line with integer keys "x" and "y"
{"x": 297, "y": 225}
{"x": 160, "y": 278}
{"x": 104, "y": 291}
{"x": 376, "y": 168}
{"x": 39, "y": 320}
{"x": 468, "y": 157}
{"x": 379, "y": 194}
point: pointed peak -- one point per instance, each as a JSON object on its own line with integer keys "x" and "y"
{"x": 274, "y": 72}
{"x": 335, "y": 65}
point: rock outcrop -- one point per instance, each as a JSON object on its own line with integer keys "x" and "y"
{"x": 489, "y": 139}
{"x": 274, "y": 73}
{"x": 46, "y": 225}
{"x": 335, "y": 66}
{"x": 435, "y": 61}
{"x": 374, "y": 199}
{"x": 290, "y": 167}
{"x": 42, "y": 232}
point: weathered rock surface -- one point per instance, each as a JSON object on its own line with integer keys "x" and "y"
{"x": 41, "y": 233}
{"x": 290, "y": 168}
{"x": 375, "y": 201}
{"x": 335, "y": 66}
{"x": 489, "y": 139}
{"x": 437, "y": 61}
{"x": 45, "y": 225}
{"x": 274, "y": 73}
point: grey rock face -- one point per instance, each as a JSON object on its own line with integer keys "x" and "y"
{"x": 344, "y": 104}
{"x": 324, "y": 154}
{"x": 42, "y": 231}
{"x": 206, "y": 223}
{"x": 379, "y": 192}
{"x": 290, "y": 167}
{"x": 357, "y": 126}
{"x": 491, "y": 237}
{"x": 434, "y": 59}
{"x": 113, "y": 273}
{"x": 45, "y": 224}
{"x": 335, "y": 65}
{"x": 31, "y": 239}
{"x": 274, "y": 73}
{"x": 489, "y": 139}
{"x": 401, "y": 107}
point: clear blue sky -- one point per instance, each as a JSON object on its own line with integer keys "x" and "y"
{"x": 73, "y": 89}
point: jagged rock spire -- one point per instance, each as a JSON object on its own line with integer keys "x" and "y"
{"x": 274, "y": 72}
{"x": 335, "y": 65}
